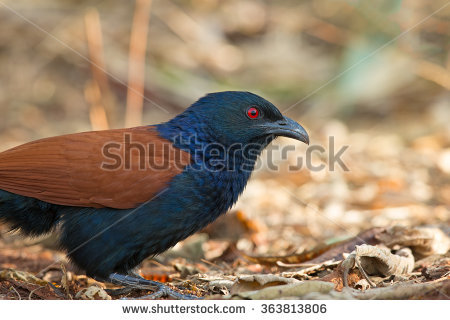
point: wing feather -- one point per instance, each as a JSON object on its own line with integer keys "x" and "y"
{"x": 73, "y": 169}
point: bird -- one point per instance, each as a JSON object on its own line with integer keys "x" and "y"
{"x": 116, "y": 197}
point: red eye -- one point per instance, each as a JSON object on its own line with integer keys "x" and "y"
{"x": 253, "y": 113}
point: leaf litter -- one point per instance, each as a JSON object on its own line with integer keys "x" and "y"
{"x": 387, "y": 268}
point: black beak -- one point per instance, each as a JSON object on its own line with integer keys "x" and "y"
{"x": 288, "y": 128}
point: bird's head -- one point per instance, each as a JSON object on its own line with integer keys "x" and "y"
{"x": 241, "y": 117}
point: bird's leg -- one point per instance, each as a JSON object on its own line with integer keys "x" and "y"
{"x": 137, "y": 282}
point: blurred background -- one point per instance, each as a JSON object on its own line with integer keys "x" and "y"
{"x": 375, "y": 75}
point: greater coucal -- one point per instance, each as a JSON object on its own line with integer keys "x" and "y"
{"x": 119, "y": 196}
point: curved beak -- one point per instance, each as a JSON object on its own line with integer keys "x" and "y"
{"x": 288, "y": 128}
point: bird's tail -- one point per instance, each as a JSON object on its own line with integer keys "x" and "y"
{"x": 31, "y": 216}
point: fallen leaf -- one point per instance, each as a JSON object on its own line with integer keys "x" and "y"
{"x": 347, "y": 246}
{"x": 304, "y": 273}
{"x": 423, "y": 241}
{"x": 258, "y": 281}
{"x": 8, "y": 274}
{"x": 298, "y": 290}
{"x": 380, "y": 261}
{"x": 430, "y": 290}
{"x": 92, "y": 293}
{"x": 337, "y": 277}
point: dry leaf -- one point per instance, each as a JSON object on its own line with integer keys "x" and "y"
{"x": 376, "y": 260}
{"x": 298, "y": 290}
{"x": 93, "y": 293}
{"x": 423, "y": 241}
{"x": 336, "y": 253}
{"x": 429, "y": 290}
{"x": 339, "y": 274}
{"x": 258, "y": 281}
{"x": 8, "y": 274}
{"x": 302, "y": 273}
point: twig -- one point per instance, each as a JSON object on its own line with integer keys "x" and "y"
{"x": 212, "y": 264}
{"x": 98, "y": 93}
{"x": 159, "y": 264}
{"x": 363, "y": 272}
{"x": 306, "y": 271}
{"x": 18, "y": 294}
{"x": 65, "y": 282}
{"x": 32, "y": 291}
{"x": 296, "y": 265}
{"x": 57, "y": 291}
{"x": 347, "y": 265}
{"x": 433, "y": 72}
{"x": 44, "y": 271}
{"x": 136, "y": 63}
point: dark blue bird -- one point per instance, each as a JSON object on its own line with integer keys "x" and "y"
{"x": 120, "y": 196}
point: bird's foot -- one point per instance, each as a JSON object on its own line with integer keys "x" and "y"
{"x": 137, "y": 282}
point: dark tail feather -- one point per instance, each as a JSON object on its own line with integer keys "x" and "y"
{"x": 31, "y": 216}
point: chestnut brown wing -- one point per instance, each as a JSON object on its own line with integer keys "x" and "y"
{"x": 113, "y": 168}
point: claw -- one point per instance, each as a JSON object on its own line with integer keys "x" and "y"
{"x": 165, "y": 291}
{"x": 136, "y": 282}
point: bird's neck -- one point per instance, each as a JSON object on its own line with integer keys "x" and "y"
{"x": 217, "y": 174}
{"x": 197, "y": 138}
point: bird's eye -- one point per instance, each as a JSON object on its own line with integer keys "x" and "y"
{"x": 253, "y": 113}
